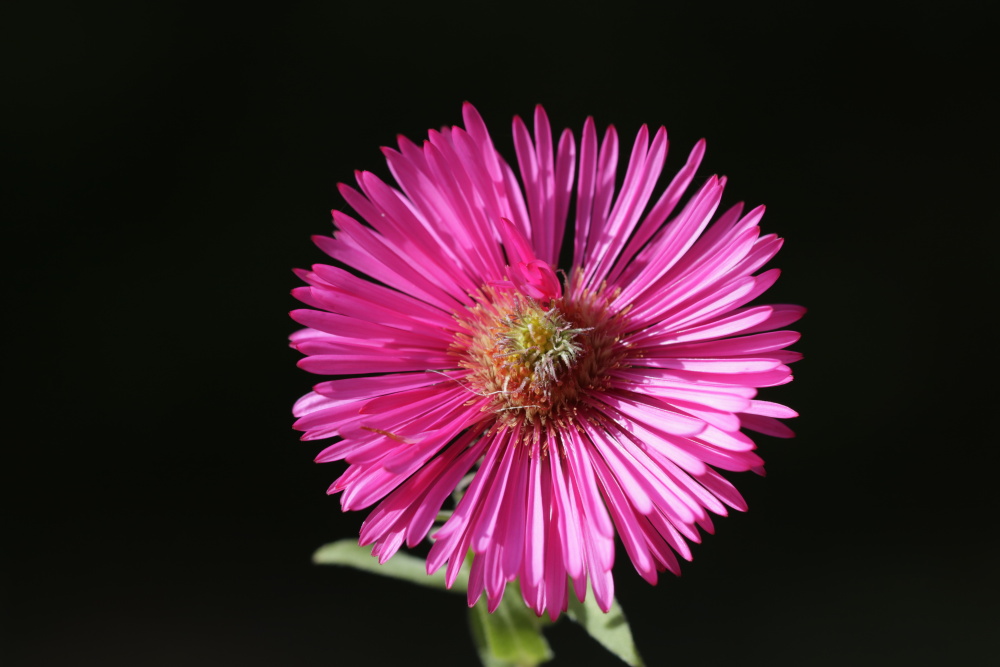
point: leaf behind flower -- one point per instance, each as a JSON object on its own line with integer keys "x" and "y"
{"x": 512, "y": 635}
{"x": 348, "y": 553}
{"x": 611, "y": 630}
{"x": 509, "y": 637}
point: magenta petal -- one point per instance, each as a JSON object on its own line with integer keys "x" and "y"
{"x": 766, "y": 425}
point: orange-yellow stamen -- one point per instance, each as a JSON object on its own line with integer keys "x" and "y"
{"x": 534, "y": 360}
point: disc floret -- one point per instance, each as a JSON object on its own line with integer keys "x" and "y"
{"x": 535, "y": 360}
{"x": 535, "y": 347}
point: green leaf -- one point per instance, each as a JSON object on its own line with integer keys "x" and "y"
{"x": 511, "y": 636}
{"x": 610, "y": 629}
{"x": 348, "y": 553}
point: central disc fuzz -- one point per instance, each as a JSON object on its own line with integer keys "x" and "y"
{"x": 533, "y": 360}
{"x": 534, "y": 348}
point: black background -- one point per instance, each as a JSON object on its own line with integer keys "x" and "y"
{"x": 169, "y": 163}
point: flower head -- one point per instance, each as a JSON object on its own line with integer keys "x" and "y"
{"x": 597, "y": 404}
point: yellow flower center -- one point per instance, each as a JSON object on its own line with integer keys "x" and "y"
{"x": 533, "y": 360}
{"x": 533, "y": 348}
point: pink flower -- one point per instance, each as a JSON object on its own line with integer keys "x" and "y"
{"x": 599, "y": 404}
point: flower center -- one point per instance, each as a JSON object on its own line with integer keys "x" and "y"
{"x": 533, "y": 349}
{"x": 534, "y": 360}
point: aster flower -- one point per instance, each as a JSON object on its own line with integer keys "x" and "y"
{"x": 583, "y": 405}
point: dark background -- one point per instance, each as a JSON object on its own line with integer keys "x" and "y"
{"x": 169, "y": 163}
